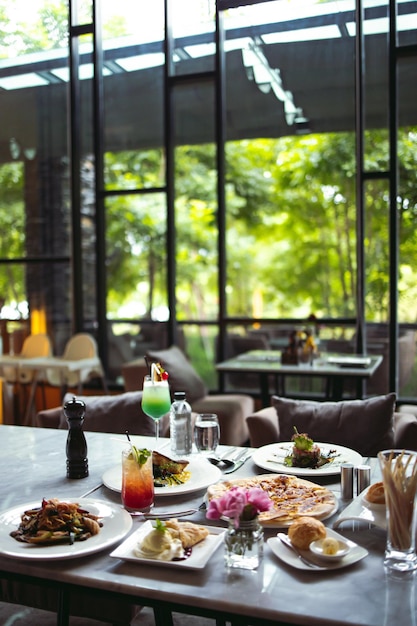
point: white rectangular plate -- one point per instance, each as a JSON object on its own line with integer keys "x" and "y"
{"x": 348, "y": 361}
{"x": 362, "y": 510}
{"x": 357, "y": 553}
{"x": 200, "y": 554}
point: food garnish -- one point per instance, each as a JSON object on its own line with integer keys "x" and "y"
{"x": 141, "y": 455}
{"x": 305, "y": 453}
{"x": 167, "y": 472}
{"x": 56, "y": 522}
{"x": 158, "y": 373}
{"x": 160, "y": 544}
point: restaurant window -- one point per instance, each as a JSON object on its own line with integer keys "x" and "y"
{"x": 35, "y": 273}
{"x": 290, "y": 173}
{"x": 291, "y": 190}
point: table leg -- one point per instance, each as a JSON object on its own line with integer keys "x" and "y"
{"x": 264, "y": 383}
{"x": 163, "y": 616}
{"x": 62, "y": 618}
{"x": 30, "y": 402}
{"x": 335, "y": 388}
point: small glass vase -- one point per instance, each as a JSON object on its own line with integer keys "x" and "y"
{"x": 244, "y": 544}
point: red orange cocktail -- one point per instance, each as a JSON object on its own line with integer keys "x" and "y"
{"x": 137, "y": 480}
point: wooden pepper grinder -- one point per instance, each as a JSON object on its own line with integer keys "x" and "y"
{"x": 77, "y": 462}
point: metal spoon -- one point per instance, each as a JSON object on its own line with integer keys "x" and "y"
{"x": 225, "y": 459}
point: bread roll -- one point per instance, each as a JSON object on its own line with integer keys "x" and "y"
{"x": 305, "y": 530}
{"x": 376, "y": 493}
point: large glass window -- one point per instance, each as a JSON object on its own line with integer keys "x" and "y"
{"x": 142, "y": 216}
{"x": 291, "y": 203}
{"x": 35, "y": 273}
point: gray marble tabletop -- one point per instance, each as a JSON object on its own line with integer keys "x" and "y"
{"x": 33, "y": 465}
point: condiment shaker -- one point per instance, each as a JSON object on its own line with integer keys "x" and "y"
{"x": 346, "y": 478}
{"x": 363, "y": 478}
{"x": 77, "y": 462}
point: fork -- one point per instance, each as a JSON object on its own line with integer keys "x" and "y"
{"x": 287, "y": 543}
{"x": 166, "y": 514}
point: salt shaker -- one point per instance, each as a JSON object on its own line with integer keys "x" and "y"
{"x": 363, "y": 478}
{"x": 77, "y": 462}
{"x": 346, "y": 477}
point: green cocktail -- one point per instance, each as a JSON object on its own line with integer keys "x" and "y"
{"x": 156, "y": 400}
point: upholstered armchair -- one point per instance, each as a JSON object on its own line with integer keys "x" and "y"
{"x": 366, "y": 426}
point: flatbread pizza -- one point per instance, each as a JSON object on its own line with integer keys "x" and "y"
{"x": 292, "y": 497}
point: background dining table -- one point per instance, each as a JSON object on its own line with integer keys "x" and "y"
{"x": 33, "y": 466}
{"x": 335, "y": 369}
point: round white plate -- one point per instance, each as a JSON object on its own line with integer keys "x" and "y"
{"x": 271, "y": 458}
{"x": 116, "y": 524}
{"x": 355, "y": 554}
{"x": 277, "y": 523}
{"x": 342, "y": 549}
{"x": 203, "y": 474}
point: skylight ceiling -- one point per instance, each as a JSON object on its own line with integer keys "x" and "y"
{"x": 296, "y": 22}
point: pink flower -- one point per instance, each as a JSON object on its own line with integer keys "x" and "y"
{"x": 239, "y": 503}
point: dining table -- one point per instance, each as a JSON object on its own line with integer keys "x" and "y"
{"x": 33, "y": 467}
{"x": 38, "y": 366}
{"x": 335, "y": 369}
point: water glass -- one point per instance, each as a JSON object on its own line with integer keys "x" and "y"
{"x": 206, "y": 433}
{"x": 399, "y": 475}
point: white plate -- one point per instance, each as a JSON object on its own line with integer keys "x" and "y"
{"x": 271, "y": 458}
{"x": 349, "y": 361}
{"x": 198, "y": 558}
{"x": 116, "y": 524}
{"x": 362, "y": 510}
{"x": 355, "y": 554}
{"x": 203, "y": 474}
{"x": 276, "y": 523}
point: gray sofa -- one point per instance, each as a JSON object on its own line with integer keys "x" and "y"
{"x": 118, "y": 413}
{"x": 366, "y": 426}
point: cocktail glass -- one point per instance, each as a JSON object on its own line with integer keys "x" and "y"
{"x": 137, "y": 480}
{"x": 156, "y": 400}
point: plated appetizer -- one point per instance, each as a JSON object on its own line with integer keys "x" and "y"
{"x": 305, "y": 453}
{"x": 56, "y": 522}
{"x": 292, "y": 497}
{"x": 167, "y": 472}
{"x": 310, "y": 534}
{"x": 375, "y": 494}
{"x": 170, "y": 540}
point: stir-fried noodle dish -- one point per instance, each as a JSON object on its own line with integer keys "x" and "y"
{"x": 56, "y": 522}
